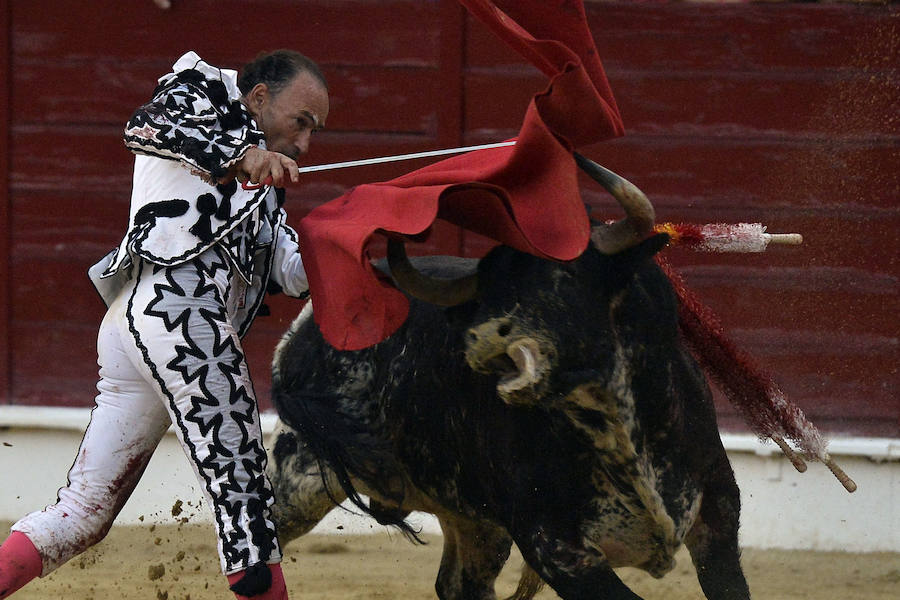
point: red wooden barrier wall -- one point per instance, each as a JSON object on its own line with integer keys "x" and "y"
{"x": 5, "y": 350}
{"x": 781, "y": 113}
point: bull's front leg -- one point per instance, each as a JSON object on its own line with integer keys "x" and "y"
{"x": 474, "y": 555}
{"x": 713, "y": 538}
{"x": 301, "y": 498}
{"x": 574, "y": 571}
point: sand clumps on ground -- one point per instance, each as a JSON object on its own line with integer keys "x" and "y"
{"x": 179, "y": 562}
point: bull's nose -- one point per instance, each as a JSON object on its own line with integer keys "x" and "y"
{"x": 486, "y": 345}
{"x": 495, "y": 329}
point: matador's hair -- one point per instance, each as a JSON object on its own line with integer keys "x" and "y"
{"x": 276, "y": 69}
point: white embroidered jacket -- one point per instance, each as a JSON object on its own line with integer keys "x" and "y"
{"x": 191, "y": 132}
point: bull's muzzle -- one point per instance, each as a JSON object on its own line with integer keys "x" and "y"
{"x": 523, "y": 362}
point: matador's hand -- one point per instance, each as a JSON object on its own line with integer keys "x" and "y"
{"x": 260, "y": 165}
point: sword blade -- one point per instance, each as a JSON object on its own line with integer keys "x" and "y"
{"x": 397, "y": 157}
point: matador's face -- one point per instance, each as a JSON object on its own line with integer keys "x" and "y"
{"x": 289, "y": 117}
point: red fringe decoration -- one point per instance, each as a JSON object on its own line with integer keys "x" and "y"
{"x": 752, "y": 391}
{"x": 686, "y": 234}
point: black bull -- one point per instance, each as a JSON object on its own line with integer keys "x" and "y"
{"x": 559, "y": 410}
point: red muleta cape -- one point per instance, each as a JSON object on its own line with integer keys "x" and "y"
{"x": 525, "y": 196}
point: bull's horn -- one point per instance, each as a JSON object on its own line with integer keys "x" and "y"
{"x": 639, "y": 215}
{"x": 442, "y": 292}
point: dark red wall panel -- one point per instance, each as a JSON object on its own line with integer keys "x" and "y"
{"x": 782, "y": 113}
{"x": 5, "y": 207}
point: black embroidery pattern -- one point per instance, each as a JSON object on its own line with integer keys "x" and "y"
{"x": 220, "y": 421}
{"x": 223, "y": 212}
{"x": 189, "y": 119}
{"x": 208, "y": 207}
{"x": 166, "y": 208}
{"x": 240, "y": 242}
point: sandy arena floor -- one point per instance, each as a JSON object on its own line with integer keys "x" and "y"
{"x": 178, "y": 562}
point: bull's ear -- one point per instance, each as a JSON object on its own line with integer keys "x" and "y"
{"x": 645, "y": 250}
{"x": 655, "y": 243}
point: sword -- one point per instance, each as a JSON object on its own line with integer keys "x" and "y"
{"x": 381, "y": 159}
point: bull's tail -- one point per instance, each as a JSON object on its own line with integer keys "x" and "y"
{"x": 345, "y": 445}
{"x": 530, "y": 583}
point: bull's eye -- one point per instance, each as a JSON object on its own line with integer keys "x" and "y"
{"x": 504, "y": 329}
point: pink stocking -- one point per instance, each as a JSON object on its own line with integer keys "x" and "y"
{"x": 253, "y": 578}
{"x": 20, "y": 562}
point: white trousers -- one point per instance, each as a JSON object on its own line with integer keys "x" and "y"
{"x": 168, "y": 354}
